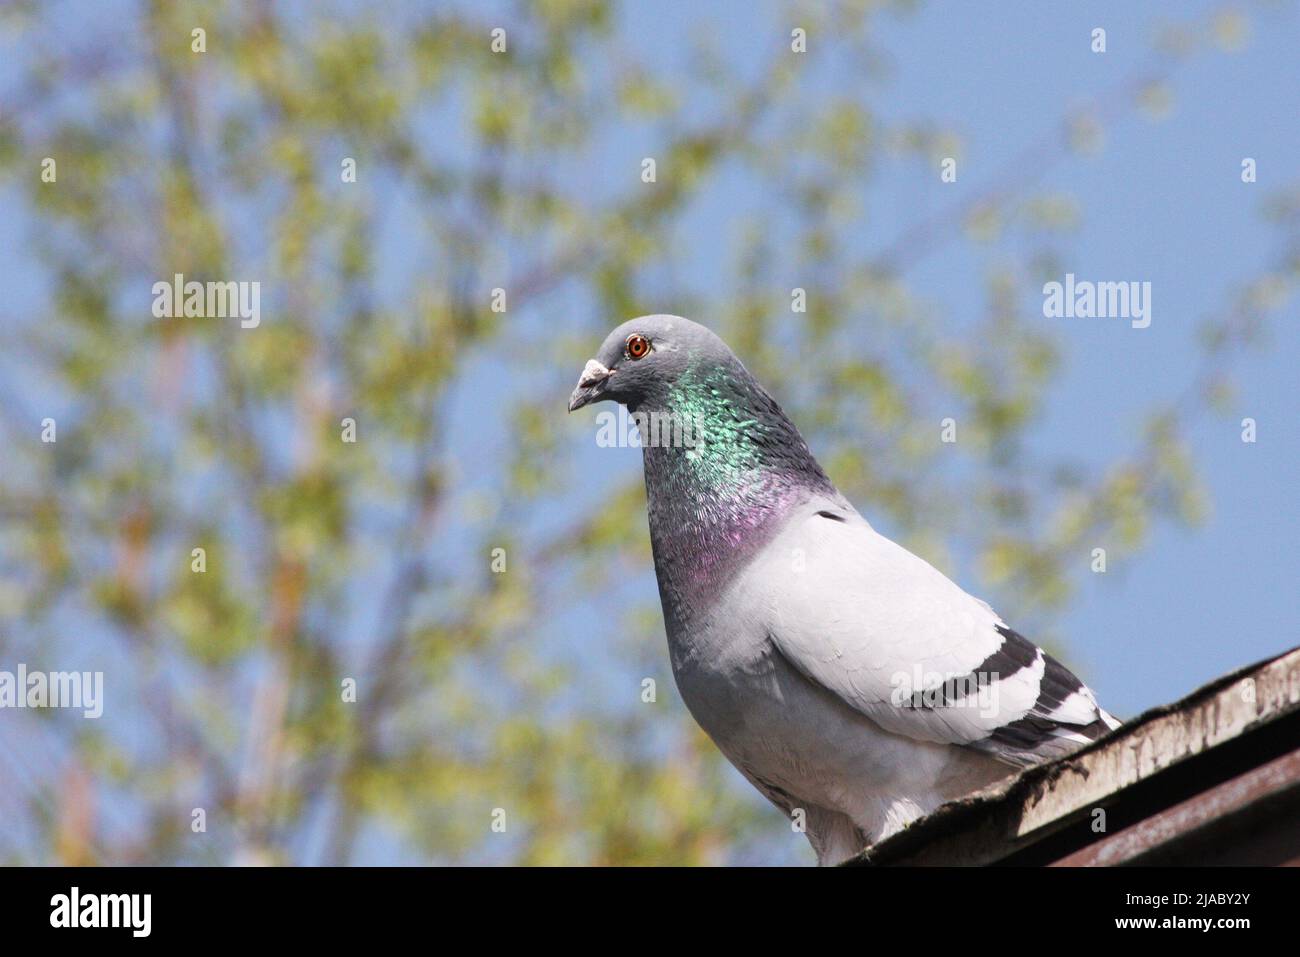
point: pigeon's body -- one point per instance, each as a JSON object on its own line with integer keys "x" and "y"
{"x": 852, "y": 683}
{"x": 797, "y": 741}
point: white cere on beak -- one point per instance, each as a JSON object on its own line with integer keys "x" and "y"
{"x": 592, "y": 373}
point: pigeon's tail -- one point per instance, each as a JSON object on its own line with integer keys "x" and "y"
{"x": 1034, "y": 740}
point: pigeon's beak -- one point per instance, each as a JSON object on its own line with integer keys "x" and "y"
{"x": 590, "y": 384}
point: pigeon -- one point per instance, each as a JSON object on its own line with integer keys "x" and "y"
{"x": 852, "y": 683}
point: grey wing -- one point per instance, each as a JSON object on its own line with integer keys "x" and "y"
{"x": 1064, "y": 716}
{"x": 896, "y": 640}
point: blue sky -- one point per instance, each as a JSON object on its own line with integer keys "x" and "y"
{"x": 1161, "y": 201}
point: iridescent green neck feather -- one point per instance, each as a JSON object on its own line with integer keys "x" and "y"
{"x": 721, "y": 492}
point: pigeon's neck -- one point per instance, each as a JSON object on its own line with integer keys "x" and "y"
{"x": 723, "y": 469}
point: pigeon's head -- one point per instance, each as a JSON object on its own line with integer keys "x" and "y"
{"x": 640, "y": 360}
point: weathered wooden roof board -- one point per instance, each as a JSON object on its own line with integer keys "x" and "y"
{"x": 1223, "y": 759}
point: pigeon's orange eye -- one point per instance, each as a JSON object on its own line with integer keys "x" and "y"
{"x": 637, "y": 346}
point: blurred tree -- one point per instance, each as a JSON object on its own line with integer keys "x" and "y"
{"x": 329, "y": 560}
